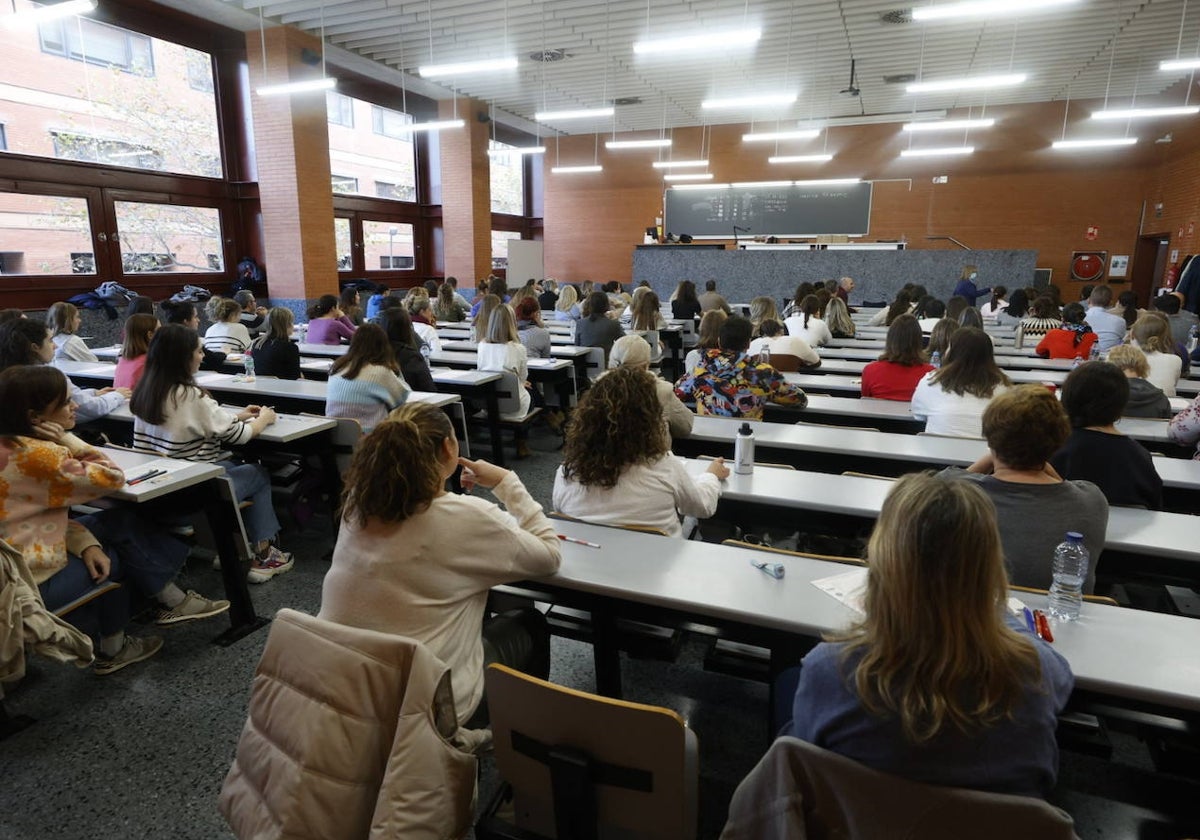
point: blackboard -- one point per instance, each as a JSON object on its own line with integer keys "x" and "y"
{"x": 769, "y": 211}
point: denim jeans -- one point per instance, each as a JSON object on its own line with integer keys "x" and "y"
{"x": 252, "y": 482}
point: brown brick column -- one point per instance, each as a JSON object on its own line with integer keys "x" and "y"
{"x": 292, "y": 147}
{"x": 466, "y": 193}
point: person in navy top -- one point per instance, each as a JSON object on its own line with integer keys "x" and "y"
{"x": 966, "y": 286}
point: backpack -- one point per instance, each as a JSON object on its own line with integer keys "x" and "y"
{"x": 249, "y": 275}
{"x": 114, "y": 294}
{"x": 191, "y": 294}
{"x": 91, "y": 300}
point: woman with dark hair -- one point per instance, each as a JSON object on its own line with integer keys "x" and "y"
{"x": 406, "y": 348}
{"x": 1074, "y": 339}
{"x": 327, "y": 324}
{"x": 951, "y": 400}
{"x": 685, "y": 303}
{"x": 186, "y": 314}
{"x": 1043, "y": 315}
{"x": 939, "y": 340}
{"x": 929, "y": 311}
{"x": 617, "y": 464}
{"x": 1018, "y": 307}
{"x": 997, "y": 304}
{"x": 808, "y": 325}
{"x": 414, "y": 560}
{"x": 497, "y": 287}
{"x": 274, "y": 352}
{"x": 1126, "y": 306}
{"x": 708, "y": 337}
{"x": 974, "y": 707}
{"x": 956, "y": 306}
{"x": 174, "y": 416}
{"x": 139, "y": 329}
{"x": 647, "y": 320}
{"x": 139, "y": 305}
{"x": 970, "y": 317}
{"x": 796, "y": 306}
{"x": 901, "y": 365}
{"x": 348, "y": 302}
{"x": 596, "y": 329}
{"x": 365, "y": 383}
{"x": 447, "y": 307}
{"x": 901, "y": 305}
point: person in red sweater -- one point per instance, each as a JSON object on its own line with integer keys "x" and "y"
{"x": 900, "y": 368}
{"x": 1073, "y": 338}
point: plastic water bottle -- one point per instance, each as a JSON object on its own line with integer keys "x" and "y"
{"x": 1078, "y": 361}
{"x": 1019, "y": 341}
{"x": 249, "y": 362}
{"x": 1070, "y": 569}
{"x": 764, "y": 355}
{"x": 743, "y": 450}
{"x": 1193, "y": 338}
{"x": 1094, "y": 356}
{"x": 936, "y": 359}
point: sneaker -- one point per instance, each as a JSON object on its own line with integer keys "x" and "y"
{"x": 276, "y": 562}
{"x": 523, "y": 450}
{"x": 555, "y": 419}
{"x": 135, "y": 649}
{"x": 192, "y": 607}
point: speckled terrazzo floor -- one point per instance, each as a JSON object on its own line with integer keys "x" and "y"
{"x": 142, "y": 753}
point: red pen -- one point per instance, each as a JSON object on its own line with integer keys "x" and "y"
{"x": 1043, "y": 625}
{"x": 565, "y": 538}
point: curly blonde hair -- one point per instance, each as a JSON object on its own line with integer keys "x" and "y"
{"x": 619, "y": 423}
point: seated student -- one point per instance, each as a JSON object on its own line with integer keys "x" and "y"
{"x": 647, "y": 321}
{"x": 939, "y": 340}
{"x": 46, "y": 470}
{"x": 1181, "y": 321}
{"x": 975, "y": 706}
{"x": 808, "y": 325}
{"x": 1183, "y": 429}
{"x": 549, "y": 296}
{"x": 617, "y": 464}
{"x": 1035, "y": 507}
{"x": 497, "y": 287}
{"x": 774, "y": 339}
{"x": 900, "y": 366}
{"x": 708, "y": 337}
{"x": 1110, "y": 329}
{"x": 1126, "y": 306}
{"x": 253, "y": 317}
{"x": 712, "y": 299}
{"x": 685, "y": 304}
{"x": 794, "y": 306}
{"x": 447, "y": 307}
{"x": 328, "y": 325}
{"x": 186, "y": 314}
{"x": 139, "y": 305}
{"x": 596, "y": 329}
{"x": 502, "y": 350}
{"x": 762, "y": 308}
{"x": 420, "y": 313}
{"x": 1152, "y": 335}
{"x": 139, "y": 329}
{"x": 479, "y": 322}
{"x": 27, "y": 342}
{"x": 1145, "y": 398}
{"x": 727, "y": 383}
{"x": 365, "y": 383}
{"x": 375, "y": 303}
{"x": 901, "y": 305}
{"x": 63, "y": 319}
{"x": 1073, "y": 339}
{"x": 349, "y": 303}
{"x": 414, "y": 560}
{"x": 1094, "y": 396}
{"x": 955, "y": 308}
{"x": 567, "y": 308}
{"x": 837, "y": 317}
{"x": 633, "y": 352}
{"x": 1017, "y": 309}
{"x": 970, "y": 317}
{"x": 274, "y": 352}
{"x": 1044, "y": 315}
{"x": 174, "y": 416}
{"x": 227, "y": 334}
{"x": 406, "y": 348}
{"x": 530, "y": 331}
{"x": 952, "y": 398}
{"x": 997, "y": 304}
{"x": 929, "y": 311}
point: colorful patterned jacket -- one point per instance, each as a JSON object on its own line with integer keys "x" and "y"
{"x": 731, "y": 385}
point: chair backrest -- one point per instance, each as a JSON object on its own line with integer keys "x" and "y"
{"x": 617, "y": 768}
{"x": 595, "y": 362}
{"x": 509, "y": 394}
{"x": 644, "y": 529}
{"x": 834, "y": 558}
{"x": 1092, "y": 599}
{"x": 785, "y": 362}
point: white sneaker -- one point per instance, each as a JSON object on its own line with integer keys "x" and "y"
{"x": 275, "y": 563}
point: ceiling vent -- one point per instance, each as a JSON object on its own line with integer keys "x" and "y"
{"x": 548, "y": 56}
{"x": 900, "y": 79}
{"x": 896, "y": 16}
{"x": 628, "y": 100}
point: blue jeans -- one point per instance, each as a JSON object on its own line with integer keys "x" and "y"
{"x": 110, "y": 611}
{"x": 143, "y": 554}
{"x": 252, "y": 482}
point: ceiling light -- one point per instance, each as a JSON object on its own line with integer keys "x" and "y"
{"x": 828, "y": 182}
{"x": 768, "y": 136}
{"x": 708, "y": 40}
{"x": 577, "y": 114}
{"x": 657, "y": 143}
{"x": 877, "y": 119}
{"x": 573, "y": 170}
{"x": 688, "y": 176}
{"x": 751, "y": 184}
{"x": 981, "y": 8}
{"x": 1180, "y": 64}
{"x": 1137, "y": 113}
{"x": 967, "y": 83}
{"x": 800, "y": 159}
{"x": 701, "y": 187}
{"x": 1097, "y": 143}
{"x": 323, "y": 83}
{"x": 487, "y": 65}
{"x": 518, "y": 150}
{"x": 941, "y": 150}
{"x": 669, "y": 164}
{"x": 32, "y": 17}
{"x": 948, "y": 125}
{"x": 751, "y": 101}
{"x": 435, "y": 125}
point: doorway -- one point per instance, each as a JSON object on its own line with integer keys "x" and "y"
{"x": 1149, "y": 263}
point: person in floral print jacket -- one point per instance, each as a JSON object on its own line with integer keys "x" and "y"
{"x": 1185, "y": 427}
{"x": 728, "y": 383}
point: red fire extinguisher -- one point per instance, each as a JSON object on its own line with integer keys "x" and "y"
{"x": 1171, "y": 277}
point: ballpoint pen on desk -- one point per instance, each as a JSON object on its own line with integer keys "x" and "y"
{"x": 146, "y": 477}
{"x": 565, "y": 538}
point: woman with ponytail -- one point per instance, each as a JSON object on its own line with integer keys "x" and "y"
{"x": 417, "y": 561}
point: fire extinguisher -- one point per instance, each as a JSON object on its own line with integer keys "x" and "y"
{"x": 1171, "y": 277}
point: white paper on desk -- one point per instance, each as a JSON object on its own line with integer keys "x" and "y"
{"x": 168, "y": 465}
{"x": 453, "y": 374}
{"x": 849, "y": 587}
{"x": 213, "y": 379}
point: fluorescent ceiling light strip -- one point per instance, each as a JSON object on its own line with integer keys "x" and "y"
{"x": 968, "y": 83}
{"x": 751, "y": 101}
{"x": 877, "y": 119}
{"x": 519, "y": 150}
{"x": 828, "y": 182}
{"x": 1180, "y": 64}
{"x": 948, "y": 125}
{"x": 658, "y": 143}
{"x": 769, "y": 136}
{"x": 324, "y": 83}
{"x": 981, "y": 8}
{"x": 669, "y": 164}
{"x": 577, "y": 114}
{"x": 435, "y": 125}
{"x": 800, "y": 159}
{"x": 708, "y": 40}
{"x": 701, "y": 187}
{"x": 942, "y": 150}
{"x": 688, "y": 176}
{"x": 44, "y": 14}
{"x": 1137, "y": 113}
{"x": 1096, "y": 143}
{"x": 573, "y": 170}
{"x": 740, "y": 185}
{"x": 487, "y": 65}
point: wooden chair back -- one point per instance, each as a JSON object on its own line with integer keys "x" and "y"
{"x": 833, "y": 558}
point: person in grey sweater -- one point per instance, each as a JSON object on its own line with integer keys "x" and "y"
{"x": 596, "y": 329}
{"x": 1024, "y": 426}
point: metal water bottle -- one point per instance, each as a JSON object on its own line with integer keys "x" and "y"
{"x": 743, "y": 450}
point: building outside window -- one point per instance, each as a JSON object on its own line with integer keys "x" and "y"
{"x": 84, "y": 39}
{"x": 344, "y": 184}
{"x": 340, "y": 109}
{"x": 508, "y": 180}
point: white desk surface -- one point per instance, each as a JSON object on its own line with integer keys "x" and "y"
{"x": 558, "y": 351}
{"x": 1004, "y": 360}
{"x": 1114, "y": 651}
{"x": 452, "y": 357}
{"x": 180, "y": 474}
{"x": 440, "y": 375}
{"x": 299, "y": 389}
{"x": 285, "y": 429}
{"x": 325, "y": 350}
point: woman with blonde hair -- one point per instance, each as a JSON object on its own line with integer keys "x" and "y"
{"x": 479, "y": 326}
{"x": 227, "y": 334}
{"x": 567, "y": 308}
{"x": 1151, "y": 334}
{"x": 63, "y": 319}
{"x": 974, "y": 704}
{"x": 1145, "y": 398}
{"x": 762, "y": 308}
{"x": 501, "y": 350}
{"x": 837, "y": 316}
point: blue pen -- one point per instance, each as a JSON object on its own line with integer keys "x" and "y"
{"x": 1029, "y": 622}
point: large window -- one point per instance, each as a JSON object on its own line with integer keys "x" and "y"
{"x": 388, "y": 246}
{"x": 343, "y": 244}
{"x": 84, "y": 39}
{"x": 45, "y": 234}
{"x": 168, "y": 237}
{"x": 374, "y": 156}
{"x": 72, "y": 146}
{"x": 508, "y": 180}
{"x": 339, "y": 108}
{"x": 500, "y": 240}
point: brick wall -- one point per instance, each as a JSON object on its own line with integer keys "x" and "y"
{"x": 466, "y": 193}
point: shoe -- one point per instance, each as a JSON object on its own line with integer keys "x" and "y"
{"x": 192, "y": 607}
{"x": 135, "y": 649}
{"x": 555, "y": 420}
{"x": 275, "y": 563}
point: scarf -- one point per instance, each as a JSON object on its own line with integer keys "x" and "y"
{"x": 1080, "y": 331}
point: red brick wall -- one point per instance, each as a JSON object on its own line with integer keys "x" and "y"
{"x": 466, "y": 193}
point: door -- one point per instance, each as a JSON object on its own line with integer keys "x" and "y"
{"x": 1149, "y": 263}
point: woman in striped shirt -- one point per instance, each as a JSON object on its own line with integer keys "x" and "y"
{"x": 228, "y": 334}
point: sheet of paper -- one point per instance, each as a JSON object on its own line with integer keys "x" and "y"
{"x": 849, "y": 587}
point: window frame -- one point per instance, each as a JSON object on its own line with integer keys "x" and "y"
{"x": 90, "y": 22}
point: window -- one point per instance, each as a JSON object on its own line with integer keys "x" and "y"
{"x": 45, "y": 234}
{"x": 341, "y": 237}
{"x": 168, "y": 237}
{"x": 379, "y": 156}
{"x": 346, "y": 184}
{"x": 500, "y": 240}
{"x": 199, "y": 70}
{"x": 3, "y": 139}
{"x": 102, "y": 150}
{"x": 340, "y": 108}
{"x": 84, "y": 39}
{"x": 400, "y": 192}
{"x": 508, "y": 180}
{"x": 388, "y": 245}
{"x": 390, "y": 123}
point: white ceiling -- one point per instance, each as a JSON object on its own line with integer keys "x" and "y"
{"x": 806, "y": 47}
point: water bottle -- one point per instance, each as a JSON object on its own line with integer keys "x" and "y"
{"x": 1193, "y": 338}
{"x": 936, "y": 359}
{"x": 1078, "y": 361}
{"x": 743, "y": 450}
{"x": 1019, "y": 342}
{"x": 1094, "y": 356}
{"x": 1070, "y": 569}
{"x": 249, "y": 362}
{"x": 764, "y": 355}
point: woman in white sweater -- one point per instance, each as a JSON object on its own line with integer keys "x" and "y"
{"x": 807, "y": 325}
{"x": 951, "y": 399}
{"x": 501, "y": 350}
{"x": 417, "y": 561}
{"x": 63, "y": 320}
{"x": 618, "y": 468}
{"x": 1152, "y": 333}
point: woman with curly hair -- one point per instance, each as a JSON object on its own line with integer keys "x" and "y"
{"x": 618, "y": 468}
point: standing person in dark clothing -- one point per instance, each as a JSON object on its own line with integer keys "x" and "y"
{"x": 966, "y": 285}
